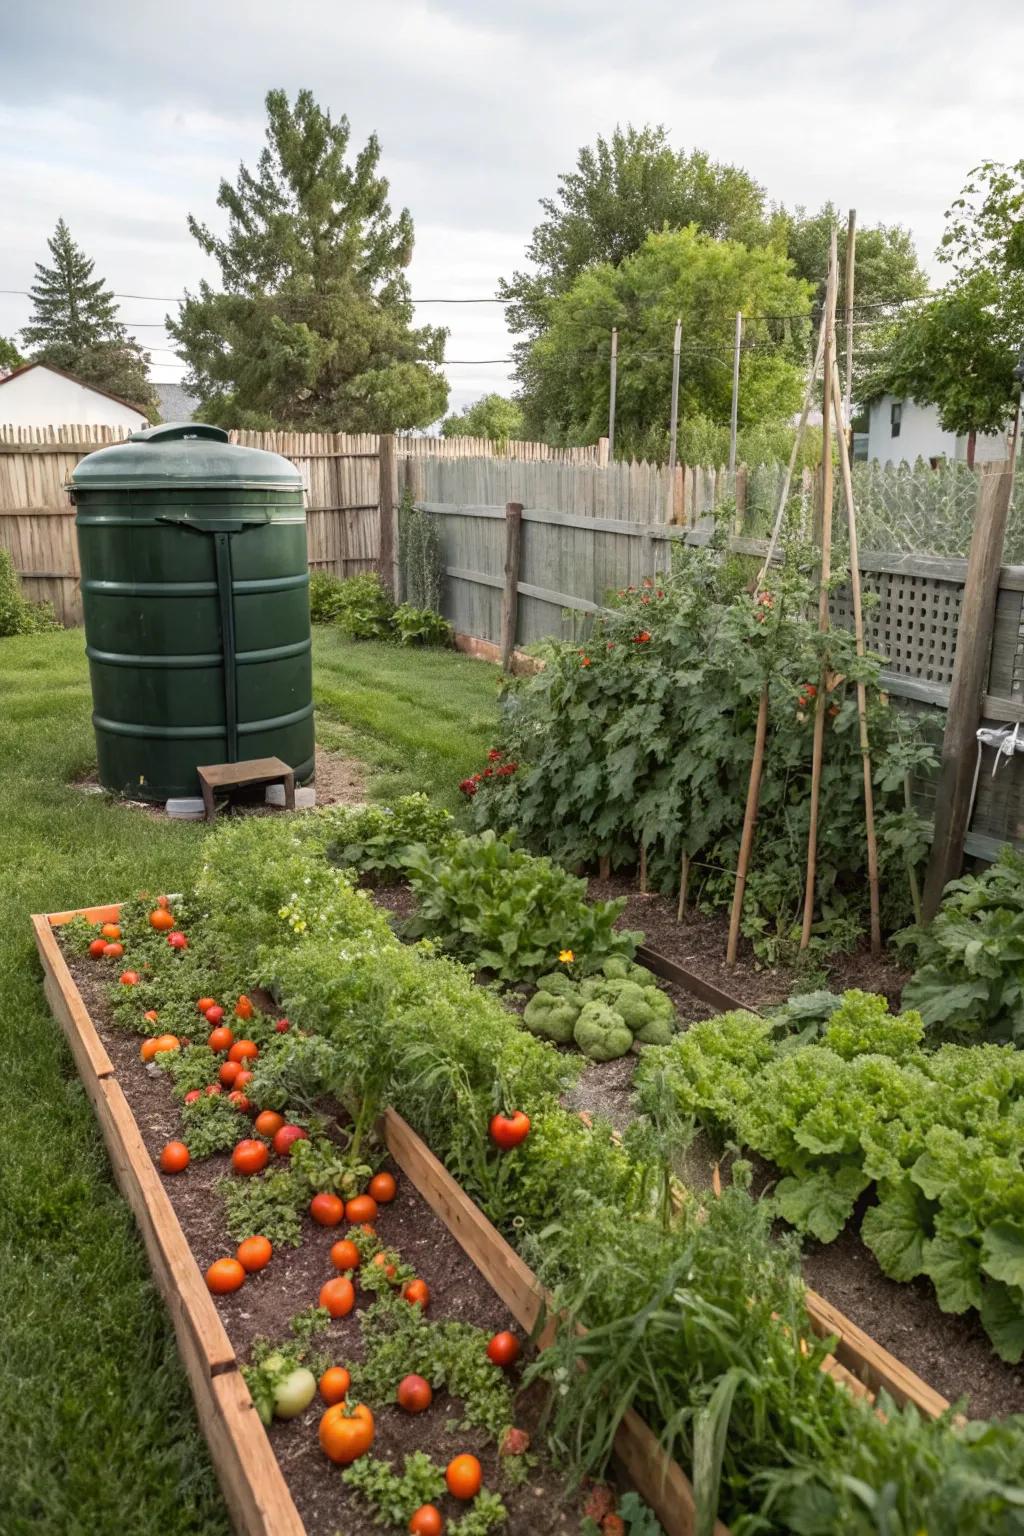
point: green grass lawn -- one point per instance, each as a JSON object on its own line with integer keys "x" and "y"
{"x": 96, "y": 1420}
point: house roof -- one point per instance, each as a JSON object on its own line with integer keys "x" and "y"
{"x": 175, "y": 403}
{"x": 83, "y": 383}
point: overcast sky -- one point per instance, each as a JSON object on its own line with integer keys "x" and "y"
{"x": 123, "y": 118}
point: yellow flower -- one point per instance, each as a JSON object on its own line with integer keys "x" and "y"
{"x": 566, "y": 956}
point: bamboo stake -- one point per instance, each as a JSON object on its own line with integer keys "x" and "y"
{"x": 846, "y": 426}
{"x": 684, "y": 881}
{"x": 858, "y": 630}
{"x": 801, "y": 427}
{"x": 749, "y": 822}
{"x": 643, "y": 869}
{"x": 818, "y": 747}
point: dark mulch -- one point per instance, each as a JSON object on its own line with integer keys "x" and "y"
{"x": 699, "y": 941}
{"x": 292, "y": 1282}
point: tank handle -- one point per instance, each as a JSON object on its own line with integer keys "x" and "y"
{"x": 179, "y": 431}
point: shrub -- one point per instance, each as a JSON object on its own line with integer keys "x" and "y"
{"x": 421, "y": 560}
{"x": 17, "y": 615}
{"x": 364, "y": 608}
{"x": 421, "y": 626}
{"x": 324, "y": 590}
{"x": 375, "y": 839}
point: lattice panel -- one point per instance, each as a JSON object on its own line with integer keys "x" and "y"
{"x": 913, "y": 623}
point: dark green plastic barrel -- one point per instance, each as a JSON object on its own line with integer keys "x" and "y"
{"x": 195, "y": 593}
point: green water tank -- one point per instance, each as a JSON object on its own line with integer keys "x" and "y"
{"x": 195, "y": 593}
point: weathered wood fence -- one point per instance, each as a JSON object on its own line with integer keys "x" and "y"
{"x": 341, "y": 473}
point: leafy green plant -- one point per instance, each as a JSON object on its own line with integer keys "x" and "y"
{"x": 269, "y": 1205}
{"x": 421, "y": 626}
{"x": 394, "y": 1497}
{"x": 364, "y": 608}
{"x": 633, "y": 1010}
{"x": 211, "y": 1125}
{"x": 486, "y": 1513}
{"x": 969, "y": 981}
{"x": 641, "y": 738}
{"x": 374, "y": 839}
{"x": 421, "y": 559}
{"x": 17, "y": 615}
{"x": 270, "y": 1365}
{"x": 324, "y": 597}
{"x": 506, "y": 911}
{"x": 325, "y": 1167}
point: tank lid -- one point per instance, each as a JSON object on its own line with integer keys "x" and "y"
{"x": 177, "y": 455}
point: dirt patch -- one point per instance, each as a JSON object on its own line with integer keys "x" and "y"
{"x": 292, "y": 1282}
{"x": 339, "y": 781}
{"x": 698, "y": 942}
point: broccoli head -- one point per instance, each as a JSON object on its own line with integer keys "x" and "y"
{"x": 601, "y": 1033}
{"x": 551, "y": 1016}
{"x": 558, "y": 983}
{"x": 628, "y": 1000}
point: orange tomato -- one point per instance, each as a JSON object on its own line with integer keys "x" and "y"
{"x": 382, "y": 1261}
{"x": 334, "y": 1384}
{"x": 345, "y": 1254}
{"x": 204, "y": 1003}
{"x": 224, "y": 1276}
{"x": 268, "y": 1122}
{"x": 110, "y": 931}
{"x": 254, "y": 1254}
{"x": 97, "y": 948}
{"x": 244, "y": 1008}
{"x": 345, "y": 1433}
{"x": 113, "y": 951}
{"x": 326, "y": 1210}
{"x": 151, "y": 1016}
{"x": 148, "y": 1049}
{"x": 243, "y": 1050}
{"x": 249, "y": 1156}
{"x": 361, "y": 1208}
{"x": 228, "y": 1072}
{"x": 129, "y": 978}
{"x": 174, "y": 1157}
{"x": 163, "y": 901}
{"x": 219, "y": 1039}
{"x": 338, "y": 1296}
{"x": 417, "y": 1293}
{"x": 242, "y": 1078}
{"x": 463, "y": 1475}
{"x": 426, "y": 1521}
{"x": 168, "y": 1043}
{"x": 161, "y": 920}
{"x": 382, "y": 1188}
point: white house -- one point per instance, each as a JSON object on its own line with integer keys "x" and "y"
{"x": 38, "y": 395}
{"x": 901, "y": 432}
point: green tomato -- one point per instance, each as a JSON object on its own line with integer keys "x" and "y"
{"x": 294, "y": 1394}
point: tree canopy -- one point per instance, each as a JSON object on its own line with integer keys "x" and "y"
{"x": 682, "y": 273}
{"x": 491, "y": 416}
{"x": 312, "y": 328}
{"x": 10, "y": 357}
{"x": 74, "y": 326}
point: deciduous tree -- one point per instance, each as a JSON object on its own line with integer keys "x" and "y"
{"x": 491, "y": 416}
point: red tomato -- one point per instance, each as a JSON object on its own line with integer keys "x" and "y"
{"x": 243, "y": 1078}
{"x": 177, "y": 941}
{"x": 174, "y": 1157}
{"x": 244, "y": 1008}
{"x": 243, "y": 1050}
{"x": 285, "y": 1138}
{"x": 212, "y": 1090}
{"x": 214, "y": 1015}
{"x": 239, "y": 1100}
{"x": 249, "y": 1156}
{"x": 509, "y": 1130}
{"x": 268, "y": 1122}
{"x": 463, "y": 1475}
{"x": 504, "y": 1349}
{"x": 417, "y": 1293}
{"x": 254, "y": 1254}
{"x": 382, "y": 1188}
{"x": 414, "y": 1394}
{"x": 113, "y": 951}
{"x": 206, "y": 1002}
{"x": 282, "y": 1026}
{"x": 362, "y": 1208}
{"x": 224, "y": 1276}
{"x": 338, "y": 1296}
{"x": 326, "y": 1210}
{"x": 190, "y": 1098}
{"x": 219, "y": 1039}
{"x": 382, "y": 1261}
{"x": 334, "y": 1384}
{"x": 345, "y": 1254}
{"x": 97, "y": 948}
{"x": 228, "y": 1072}
{"x": 426, "y": 1521}
{"x": 129, "y": 978}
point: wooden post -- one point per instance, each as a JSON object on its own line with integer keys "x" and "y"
{"x": 674, "y": 415}
{"x": 387, "y": 559}
{"x": 858, "y": 629}
{"x": 510, "y": 597}
{"x": 602, "y": 453}
{"x": 818, "y": 746}
{"x": 970, "y": 672}
{"x": 749, "y": 822}
{"x": 740, "y": 492}
{"x": 851, "y": 249}
{"x": 734, "y": 418}
{"x": 684, "y": 881}
{"x": 611, "y": 394}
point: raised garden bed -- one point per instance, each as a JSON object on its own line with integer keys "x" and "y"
{"x": 277, "y": 1483}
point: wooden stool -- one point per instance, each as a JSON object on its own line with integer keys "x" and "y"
{"x": 258, "y": 770}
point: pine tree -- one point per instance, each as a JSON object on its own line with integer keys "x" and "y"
{"x": 313, "y": 329}
{"x": 74, "y": 326}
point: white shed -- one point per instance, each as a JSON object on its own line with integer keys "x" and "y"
{"x": 902, "y": 431}
{"x": 38, "y": 395}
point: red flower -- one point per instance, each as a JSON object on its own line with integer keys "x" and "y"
{"x": 488, "y": 773}
{"x": 645, "y": 600}
{"x": 477, "y": 777}
{"x": 661, "y": 594}
{"x": 494, "y": 756}
{"x": 585, "y": 661}
{"x": 507, "y": 770}
{"x": 611, "y": 645}
{"x": 468, "y": 787}
{"x": 648, "y": 582}
{"x": 642, "y": 638}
